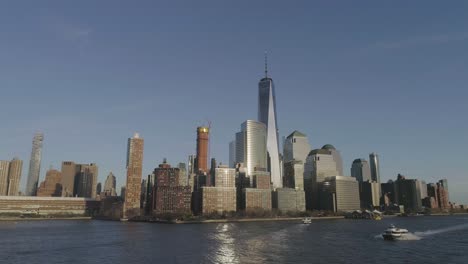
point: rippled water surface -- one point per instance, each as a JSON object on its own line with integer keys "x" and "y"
{"x": 438, "y": 239}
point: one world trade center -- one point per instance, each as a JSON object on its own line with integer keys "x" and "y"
{"x": 267, "y": 115}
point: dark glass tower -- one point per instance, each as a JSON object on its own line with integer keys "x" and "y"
{"x": 267, "y": 115}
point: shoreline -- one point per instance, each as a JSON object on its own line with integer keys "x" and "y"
{"x": 240, "y": 220}
{"x": 44, "y": 218}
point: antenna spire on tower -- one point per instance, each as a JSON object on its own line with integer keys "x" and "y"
{"x": 266, "y": 64}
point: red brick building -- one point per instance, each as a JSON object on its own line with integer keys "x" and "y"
{"x": 51, "y": 186}
{"x": 168, "y": 195}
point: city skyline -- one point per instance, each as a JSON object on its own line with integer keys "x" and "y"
{"x": 405, "y": 125}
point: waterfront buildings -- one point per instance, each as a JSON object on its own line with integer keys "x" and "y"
{"x": 361, "y": 170}
{"x": 134, "y": 172}
{"x": 34, "y": 165}
{"x": 408, "y": 193}
{"x": 66, "y": 206}
{"x": 222, "y": 197}
{"x": 183, "y": 178}
{"x": 51, "y": 186}
{"x": 336, "y": 157}
{"x": 339, "y": 193}
{"x": 168, "y": 195}
{"x": 442, "y": 195}
{"x": 289, "y": 200}
{"x": 369, "y": 193}
{"x": 296, "y": 150}
{"x": 374, "y": 167}
{"x": 320, "y": 164}
{"x": 267, "y": 116}
{"x": 110, "y": 185}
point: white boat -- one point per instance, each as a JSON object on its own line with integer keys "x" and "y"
{"x": 306, "y": 220}
{"x": 394, "y": 233}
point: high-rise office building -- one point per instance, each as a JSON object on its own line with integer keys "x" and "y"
{"x": 267, "y": 115}
{"x": 296, "y": 150}
{"x": 69, "y": 172}
{"x": 86, "y": 180}
{"x": 51, "y": 186}
{"x": 14, "y": 176}
{"x": 361, "y": 170}
{"x": 134, "y": 173}
{"x": 319, "y": 165}
{"x": 339, "y": 193}
{"x": 232, "y": 154}
{"x": 444, "y": 185}
{"x": 109, "y": 185}
{"x": 4, "y": 169}
{"x": 203, "y": 137}
{"x": 98, "y": 189}
{"x": 369, "y": 193}
{"x": 34, "y": 165}
{"x": 251, "y": 147}
{"x": 374, "y": 167}
{"x": 409, "y": 193}
{"x": 336, "y": 157}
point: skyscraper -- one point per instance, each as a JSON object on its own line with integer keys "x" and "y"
{"x": 361, "y": 170}
{"x": 51, "y": 185}
{"x": 134, "y": 173}
{"x": 109, "y": 185}
{"x": 14, "y": 176}
{"x": 374, "y": 167}
{"x": 251, "y": 146}
{"x": 203, "y": 134}
{"x": 34, "y": 165}
{"x": 232, "y": 154}
{"x": 4, "y": 168}
{"x": 296, "y": 150}
{"x": 267, "y": 115}
{"x": 86, "y": 180}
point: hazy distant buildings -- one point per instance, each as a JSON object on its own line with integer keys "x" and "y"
{"x": 442, "y": 195}
{"x": 134, "y": 173}
{"x": 296, "y": 150}
{"x": 267, "y": 116}
{"x": 361, "y": 170}
{"x": 110, "y": 185}
{"x": 86, "y": 180}
{"x": 232, "y": 154}
{"x": 339, "y": 193}
{"x": 14, "y": 176}
{"x": 79, "y": 180}
{"x": 408, "y": 193}
{"x": 34, "y": 165}
{"x": 51, "y": 186}
{"x": 374, "y": 167}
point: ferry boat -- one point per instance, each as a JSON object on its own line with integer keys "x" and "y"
{"x": 394, "y": 233}
{"x": 307, "y": 220}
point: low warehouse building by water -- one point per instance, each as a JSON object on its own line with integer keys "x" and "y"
{"x": 31, "y": 205}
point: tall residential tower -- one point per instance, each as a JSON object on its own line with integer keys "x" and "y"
{"x": 134, "y": 173}
{"x": 34, "y": 165}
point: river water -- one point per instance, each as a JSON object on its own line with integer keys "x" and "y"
{"x": 436, "y": 239}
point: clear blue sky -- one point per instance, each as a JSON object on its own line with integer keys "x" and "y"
{"x": 363, "y": 75}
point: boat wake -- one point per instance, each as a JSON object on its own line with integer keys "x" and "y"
{"x": 407, "y": 236}
{"x": 442, "y": 230}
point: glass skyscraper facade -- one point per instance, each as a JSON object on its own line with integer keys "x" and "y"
{"x": 374, "y": 167}
{"x": 267, "y": 115}
{"x": 34, "y": 165}
{"x": 251, "y": 146}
